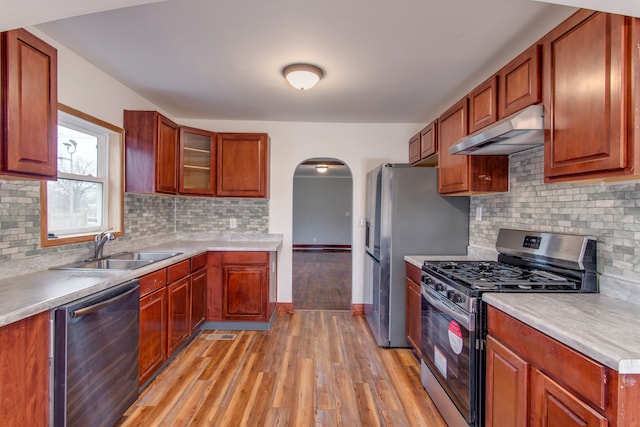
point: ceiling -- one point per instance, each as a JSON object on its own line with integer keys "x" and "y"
{"x": 384, "y": 62}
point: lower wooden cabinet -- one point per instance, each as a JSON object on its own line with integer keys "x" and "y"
{"x": 153, "y": 333}
{"x": 24, "y": 369}
{"x": 241, "y": 286}
{"x": 172, "y": 307}
{"x": 535, "y": 380}
{"x": 507, "y": 386}
{"x": 414, "y": 307}
{"x": 178, "y": 313}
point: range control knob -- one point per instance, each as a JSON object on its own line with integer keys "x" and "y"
{"x": 458, "y": 298}
{"x": 440, "y": 288}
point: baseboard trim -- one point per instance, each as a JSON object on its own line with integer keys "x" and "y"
{"x": 357, "y": 309}
{"x": 284, "y": 307}
{"x": 322, "y": 248}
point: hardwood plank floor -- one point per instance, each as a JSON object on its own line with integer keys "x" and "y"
{"x": 314, "y": 368}
{"x": 321, "y": 280}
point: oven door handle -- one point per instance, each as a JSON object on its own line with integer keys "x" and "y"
{"x": 467, "y": 320}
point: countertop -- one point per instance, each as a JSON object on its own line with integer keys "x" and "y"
{"x": 30, "y": 294}
{"x": 603, "y": 328}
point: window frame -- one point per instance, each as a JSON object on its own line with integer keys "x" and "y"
{"x": 113, "y": 160}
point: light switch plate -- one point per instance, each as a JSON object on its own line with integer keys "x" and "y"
{"x": 479, "y": 213}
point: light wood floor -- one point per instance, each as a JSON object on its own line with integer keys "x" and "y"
{"x": 313, "y": 368}
{"x": 322, "y": 280}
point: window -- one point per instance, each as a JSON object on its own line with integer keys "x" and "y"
{"x": 88, "y": 195}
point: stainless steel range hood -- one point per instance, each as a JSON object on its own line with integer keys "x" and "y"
{"x": 520, "y": 131}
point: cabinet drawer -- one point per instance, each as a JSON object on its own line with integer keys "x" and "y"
{"x": 153, "y": 281}
{"x": 198, "y": 262}
{"x": 178, "y": 271}
{"x": 573, "y": 370}
{"x": 245, "y": 257}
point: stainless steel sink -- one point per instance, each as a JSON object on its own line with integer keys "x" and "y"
{"x": 120, "y": 261}
{"x": 144, "y": 256}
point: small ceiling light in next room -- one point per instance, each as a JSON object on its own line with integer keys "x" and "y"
{"x": 302, "y": 76}
{"x": 322, "y": 168}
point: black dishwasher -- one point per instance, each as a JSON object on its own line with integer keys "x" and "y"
{"x": 96, "y": 357}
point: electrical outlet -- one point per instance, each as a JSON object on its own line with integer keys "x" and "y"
{"x": 233, "y": 223}
{"x": 479, "y": 213}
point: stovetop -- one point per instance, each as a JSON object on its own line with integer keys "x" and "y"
{"x": 493, "y": 275}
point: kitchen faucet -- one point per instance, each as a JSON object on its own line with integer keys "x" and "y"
{"x": 99, "y": 241}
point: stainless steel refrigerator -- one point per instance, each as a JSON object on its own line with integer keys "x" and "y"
{"x": 405, "y": 215}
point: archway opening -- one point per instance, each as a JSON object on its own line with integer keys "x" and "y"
{"x": 322, "y": 230}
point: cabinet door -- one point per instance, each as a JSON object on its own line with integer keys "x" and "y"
{"x": 506, "y": 388}
{"x": 197, "y": 161}
{"x": 29, "y": 139}
{"x": 198, "y": 296}
{"x": 519, "y": 82}
{"x": 453, "y": 170}
{"x": 153, "y": 332}
{"x": 24, "y": 369}
{"x": 414, "y": 304}
{"x": 245, "y": 292}
{"x": 178, "y": 313}
{"x": 429, "y": 140}
{"x": 552, "y": 405}
{"x": 242, "y": 165}
{"x": 586, "y": 79}
{"x": 167, "y": 156}
{"x": 414, "y": 148}
{"x": 483, "y": 105}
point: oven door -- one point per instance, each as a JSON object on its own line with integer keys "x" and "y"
{"x": 448, "y": 351}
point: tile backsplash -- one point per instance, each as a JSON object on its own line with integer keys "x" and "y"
{"x": 608, "y": 211}
{"x": 149, "y": 219}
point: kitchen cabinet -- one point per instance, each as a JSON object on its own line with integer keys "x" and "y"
{"x": 151, "y": 153}
{"x": 423, "y": 146}
{"x": 533, "y": 379}
{"x": 242, "y": 165}
{"x": 414, "y": 307}
{"x": 519, "y": 82}
{"x": 414, "y": 149}
{"x": 29, "y": 110}
{"x": 178, "y": 305}
{"x": 591, "y": 97}
{"x": 25, "y": 372}
{"x": 241, "y": 286}
{"x": 483, "y": 104}
{"x": 197, "y": 161}
{"x": 153, "y": 324}
{"x": 198, "y": 290}
{"x": 461, "y": 174}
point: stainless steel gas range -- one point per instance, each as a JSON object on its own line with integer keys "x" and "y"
{"x": 454, "y": 317}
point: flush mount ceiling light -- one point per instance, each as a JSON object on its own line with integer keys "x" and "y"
{"x": 302, "y": 76}
{"x": 322, "y": 168}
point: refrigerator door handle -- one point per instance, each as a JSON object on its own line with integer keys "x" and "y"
{"x": 367, "y": 233}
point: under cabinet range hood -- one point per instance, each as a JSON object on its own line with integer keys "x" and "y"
{"x": 520, "y": 131}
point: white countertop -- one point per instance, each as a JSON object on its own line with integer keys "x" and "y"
{"x": 602, "y": 328}
{"x": 30, "y": 294}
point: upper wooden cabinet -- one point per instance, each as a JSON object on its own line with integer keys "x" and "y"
{"x": 483, "y": 105}
{"x": 519, "y": 82}
{"x": 197, "y": 161}
{"x": 29, "y": 111}
{"x": 151, "y": 146}
{"x": 423, "y": 146}
{"x": 243, "y": 165}
{"x": 414, "y": 148}
{"x": 461, "y": 174}
{"x": 591, "y": 94}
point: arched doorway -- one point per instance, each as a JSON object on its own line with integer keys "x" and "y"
{"x": 322, "y": 229}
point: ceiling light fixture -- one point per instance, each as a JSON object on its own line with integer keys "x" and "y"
{"x": 322, "y": 168}
{"x": 302, "y": 76}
